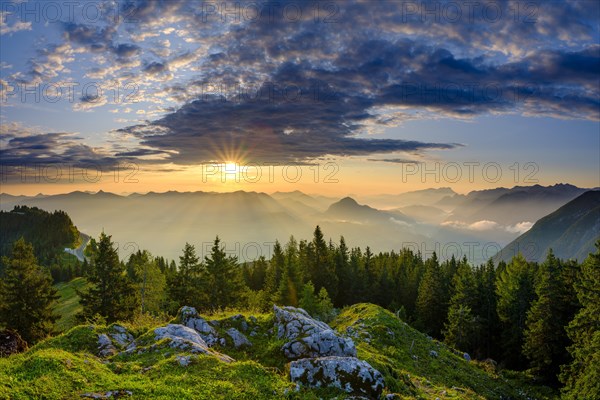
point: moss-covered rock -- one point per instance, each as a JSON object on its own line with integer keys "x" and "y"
{"x": 347, "y": 373}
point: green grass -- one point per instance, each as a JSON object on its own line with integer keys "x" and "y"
{"x": 402, "y": 355}
{"x": 68, "y": 305}
{"x": 66, "y": 366}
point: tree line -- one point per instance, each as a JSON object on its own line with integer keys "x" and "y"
{"x": 544, "y": 317}
{"x": 48, "y": 232}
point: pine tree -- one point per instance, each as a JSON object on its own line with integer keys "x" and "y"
{"x": 365, "y": 276}
{"x": 183, "y": 284}
{"x": 274, "y": 272}
{"x": 289, "y": 286}
{"x": 461, "y": 327}
{"x": 255, "y": 273}
{"x": 344, "y": 274}
{"x": 411, "y": 274}
{"x": 582, "y": 376}
{"x": 223, "y": 281}
{"x": 515, "y": 288}
{"x": 358, "y": 288}
{"x": 322, "y": 269}
{"x": 111, "y": 295}
{"x": 26, "y": 294}
{"x": 431, "y": 302}
{"x": 545, "y": 338}
{"x": 488, "y": 336}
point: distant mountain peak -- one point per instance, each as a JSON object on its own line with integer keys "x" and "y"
{"x": 348, "y": 201}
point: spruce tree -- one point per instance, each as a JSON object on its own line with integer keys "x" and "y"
{"x": 111, "y": 294}
{"x": 223, "y": 282}
{"x": 431, "y": 303}
{"x": 344, "y": 274}
{"x": 461, "y": 327}
{"x": 582, "y": 376}
{"x": 515, "y": 288}
{"x": 322, "y": 269}
{"x": 487, "y": 341}
{"x": 545, "y": 338}
{"x": 26, "y": 294}
{"x": 289, "y": 286}
{"x": 275, "y": 271}
{"x": 183, "y": 285}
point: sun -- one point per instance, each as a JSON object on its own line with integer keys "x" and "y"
{"x": 231, "y": 167}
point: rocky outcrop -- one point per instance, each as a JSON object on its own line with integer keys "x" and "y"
{"x": 184, "y": 338}
{"x": 116, "y": 339}
{"x": 308, "y": 336}
{"x": 239, "y": 339}
{"x": 106, "y": 348}
{"x": 322, "y": 357}
{"x": 320, "y": 344}
{"x": 120, "y": 335}
{"x": 11, "y": 343}
{"x": 291, "y": 323}
{"x": 347, "y": 373}
{"x": 189, "y": 317}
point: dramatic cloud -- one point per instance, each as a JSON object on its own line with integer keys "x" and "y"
{"x": 287, "y": 83}
{"x": 26, "y": 147}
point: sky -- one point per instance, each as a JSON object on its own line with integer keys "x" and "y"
{"x": 326, "y": 97}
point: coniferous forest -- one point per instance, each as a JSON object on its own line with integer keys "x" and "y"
{"x": 540, "y": 317}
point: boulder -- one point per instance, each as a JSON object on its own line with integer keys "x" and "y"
{"x": 239, "y": 339}
{"x": 120, "y": 335}
{"x": 184, "y": 361}
{"x": 347, "y": 373}
{"x": 291, "y": 323}
{"x": 189, "y": 317}
{"x": 309, "y": 337}
{"x": 320, "y": 344}
{"x": 188, "y": 339}
{"x": 11, "y": 343}
{"x": 106, "y": 348}
{"x": 467, "y": 357}
{"x": 117, "y": 338}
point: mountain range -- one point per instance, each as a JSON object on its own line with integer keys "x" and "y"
{"x": 571, "y": 232}
{"x": 477, "y": 224}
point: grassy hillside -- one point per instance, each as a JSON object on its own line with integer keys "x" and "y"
{"x": 417, "y": 366}
{"x": 68, "y": 304}
{"x": 67, "y": 366}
